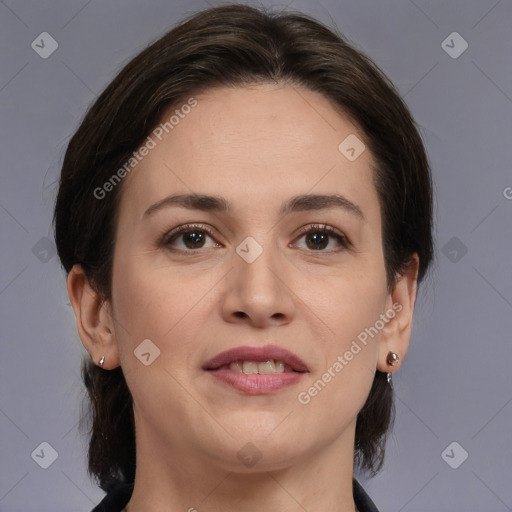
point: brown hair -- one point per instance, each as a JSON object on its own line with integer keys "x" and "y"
{"x": 234, "y": 45}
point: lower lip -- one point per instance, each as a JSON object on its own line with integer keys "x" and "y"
{"x": 257, "y": 384}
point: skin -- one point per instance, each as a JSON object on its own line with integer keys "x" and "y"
{"x": 256, "y": 147}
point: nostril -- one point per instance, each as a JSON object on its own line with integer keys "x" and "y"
{"x": 240, "y": 314}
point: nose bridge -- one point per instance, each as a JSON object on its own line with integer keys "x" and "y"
{"x": 257, "y": 264}
{"x": 257, "y": 284}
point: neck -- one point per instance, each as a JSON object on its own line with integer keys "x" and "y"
{"x": 170, "y": 478}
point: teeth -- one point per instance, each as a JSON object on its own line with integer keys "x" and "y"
{"x": 267, "y": 367}
{"x": 250, "y": 367}
{"x": 236, "y": 366}
{"x": 253, "y": 367}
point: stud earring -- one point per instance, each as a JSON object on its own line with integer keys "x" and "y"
{"x": 102, "y": 360}
{"x": 392, "y": 359}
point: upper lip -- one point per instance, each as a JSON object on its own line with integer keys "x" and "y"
{"x": 257, "y": 354}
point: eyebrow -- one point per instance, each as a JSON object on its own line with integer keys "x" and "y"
{"x": 300, "y": 203}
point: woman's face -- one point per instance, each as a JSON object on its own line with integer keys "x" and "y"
{"x": 260, "y": 271}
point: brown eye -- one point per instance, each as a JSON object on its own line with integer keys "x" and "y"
{"x": 318, "y": 238}
{"x": 193, "y": 239}
{"x": 188, "y": 238}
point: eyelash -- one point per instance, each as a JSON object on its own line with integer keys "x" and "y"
{"x": 171, "y": 236}
{"x": 329, "y": 230}
{"x": 187, "y": 228}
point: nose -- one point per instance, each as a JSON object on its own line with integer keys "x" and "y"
{"x": 258, "y": 293}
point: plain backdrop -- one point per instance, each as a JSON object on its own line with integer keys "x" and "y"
{"x": 451, "y": 447}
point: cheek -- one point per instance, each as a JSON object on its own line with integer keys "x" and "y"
{"x": 351, "y": 308}
{"x": 347, "y": 301}
{"x": 337, "y": 394}
{"x": 341, "y": 384}
{"x": 151, "y": 302}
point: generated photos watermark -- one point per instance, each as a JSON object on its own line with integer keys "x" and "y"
{"x": 151, "y": 142}
{"x": 304, "y": 397}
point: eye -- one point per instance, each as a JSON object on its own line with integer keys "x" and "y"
{"x": 318, "y": 237}
{"x": 188, "y": 237}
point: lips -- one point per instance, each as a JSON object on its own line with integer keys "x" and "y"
{"x": 256, "y": 354}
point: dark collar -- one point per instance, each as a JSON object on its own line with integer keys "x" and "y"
{"x": 119, "y": 495}
{"x": 361, "y": 499}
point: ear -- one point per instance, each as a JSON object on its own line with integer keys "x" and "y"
{"x": 399, "y": 310}
{"x": 94, "y": 320}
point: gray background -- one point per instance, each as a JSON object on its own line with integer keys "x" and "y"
{"x": 455, "y": 384}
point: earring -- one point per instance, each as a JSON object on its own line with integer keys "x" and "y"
{"x": 102, "y": 360}
{"x": 392, "y": 359}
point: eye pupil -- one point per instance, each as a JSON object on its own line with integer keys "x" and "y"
{"x": 194, "y": 237}
{"x": 319, "y": 240}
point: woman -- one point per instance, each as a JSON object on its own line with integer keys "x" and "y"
{"x": 244, "y": 215}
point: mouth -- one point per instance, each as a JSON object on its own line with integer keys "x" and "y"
{"x": 269, "y": 359}
{"x": 257, "y": 370}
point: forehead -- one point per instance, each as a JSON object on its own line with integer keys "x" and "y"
{"x": 259, "y": 141}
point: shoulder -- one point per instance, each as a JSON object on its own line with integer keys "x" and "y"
{"x": 116, "y": 499}
{"x": 362, "y": 500}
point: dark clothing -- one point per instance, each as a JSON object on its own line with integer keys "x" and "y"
{"x": 361, "y": 499}
{"x": 118, "y": 497}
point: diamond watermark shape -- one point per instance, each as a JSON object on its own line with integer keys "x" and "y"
{"x": 45, "y": 455}
{"x": 146, "y": 352}
{"x": 454, "y": 455}
{"x": 454, "y": 45}
{"x": 249, "y": 249}
{"x": 44, "y": 249}
{"x": 454, "y": 249}
{"x": 249, "y": 455}
{"x": 44, "y": 45}
{"x": 351, "y": 147}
